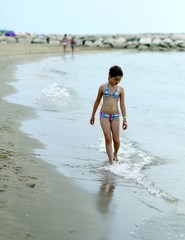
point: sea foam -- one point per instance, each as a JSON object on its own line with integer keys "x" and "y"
{"x": 132, "y": 163}
{"x": 54, "y": 98}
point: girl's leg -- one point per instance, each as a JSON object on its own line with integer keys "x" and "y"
{"x": 115, "y": 127}
{"x": 64, "y": 50}
{"x": 106, "y": 127}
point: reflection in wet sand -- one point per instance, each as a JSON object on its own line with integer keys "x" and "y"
{"x": 106, "y": 194}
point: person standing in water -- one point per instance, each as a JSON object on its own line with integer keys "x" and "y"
{"x": 73, "y": 45}
{"x": 112, "y": 94}
{"x": 64, "y": 43}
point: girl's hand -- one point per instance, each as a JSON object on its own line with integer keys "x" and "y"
{"x": 92, "y": 120}
{"x": 125, "y": 125}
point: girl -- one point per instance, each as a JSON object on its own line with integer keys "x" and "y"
{"x": 64, "y": 43}
{"x": 73, "y": 45}
{"x": 109, "y": 113}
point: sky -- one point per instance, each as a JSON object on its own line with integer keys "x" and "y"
{"x": 93, "y": 16}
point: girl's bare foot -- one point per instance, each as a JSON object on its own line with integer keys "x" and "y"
{"x": 115, "y": 158}
{"x": 111, "y": 162}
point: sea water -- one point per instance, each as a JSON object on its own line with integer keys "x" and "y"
{"x": 62, "y": 90}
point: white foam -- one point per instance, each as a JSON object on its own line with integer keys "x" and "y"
{"x": 54, "y": 98}
{"x": 132, "y": 162}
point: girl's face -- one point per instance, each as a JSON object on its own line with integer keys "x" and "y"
{"x": 115, "y": 80}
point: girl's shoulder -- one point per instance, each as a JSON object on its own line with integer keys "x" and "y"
{"x": 120, "y": 88}
{"x": 103, "y": 86}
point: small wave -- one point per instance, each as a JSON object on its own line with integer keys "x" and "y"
{"x": 55, "y": 98}
{"x": 161, "y": 227}
{"x": 52, "y": 70}
{"x": 132, "y": 162}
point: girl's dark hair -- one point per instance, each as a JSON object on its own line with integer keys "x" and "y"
{"x": 115, "y": 71}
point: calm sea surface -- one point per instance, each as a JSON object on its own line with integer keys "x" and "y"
{"x": 62, "y": 90}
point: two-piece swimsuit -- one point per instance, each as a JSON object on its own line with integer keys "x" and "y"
{"x": 64, "y": 42}
{"x": 115, "y": 94}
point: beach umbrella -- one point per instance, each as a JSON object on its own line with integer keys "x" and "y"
{"x": 10, "y": 34}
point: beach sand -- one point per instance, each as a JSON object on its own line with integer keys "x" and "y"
{"x": 38, "y": 202}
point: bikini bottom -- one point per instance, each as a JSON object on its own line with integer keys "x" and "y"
{"x": 108, "y": 116}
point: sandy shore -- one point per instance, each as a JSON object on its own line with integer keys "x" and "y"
{"x": 36, "y": 201}
{"x": 33, "y": 195}
{"x": 33, "y": 49}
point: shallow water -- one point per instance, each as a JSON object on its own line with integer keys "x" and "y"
{"x": 151, "y": 158}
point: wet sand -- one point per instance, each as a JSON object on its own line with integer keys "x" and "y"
{"x": 36, "y": 201}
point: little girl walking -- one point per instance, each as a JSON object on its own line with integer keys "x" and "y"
{"x": 112, "y": 94}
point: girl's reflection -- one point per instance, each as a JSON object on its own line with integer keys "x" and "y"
{"x": 106, "y": 194}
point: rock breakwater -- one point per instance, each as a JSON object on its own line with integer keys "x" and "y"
{"x": 140, "y": 42}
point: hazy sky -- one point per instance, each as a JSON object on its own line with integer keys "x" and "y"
{"x": 93, "y": 16}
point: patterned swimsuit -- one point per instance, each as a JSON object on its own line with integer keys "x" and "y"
{"x": 115, "y": 94}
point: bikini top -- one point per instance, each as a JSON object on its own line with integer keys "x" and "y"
{"x": 115, "y": 94}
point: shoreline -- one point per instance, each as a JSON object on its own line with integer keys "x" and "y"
{"x": 38, "y": 202}
{"x": 20, "y": 50}
{"x": 32, "y": 191}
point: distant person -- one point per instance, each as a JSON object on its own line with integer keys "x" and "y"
{"x": 109, "y": 113}
{"x": 64, "y": 43}
{"x": 73, "y": 45}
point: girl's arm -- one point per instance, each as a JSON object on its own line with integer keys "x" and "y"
{"x": 123, "y": 109}
{"x": 96, "y": 104}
